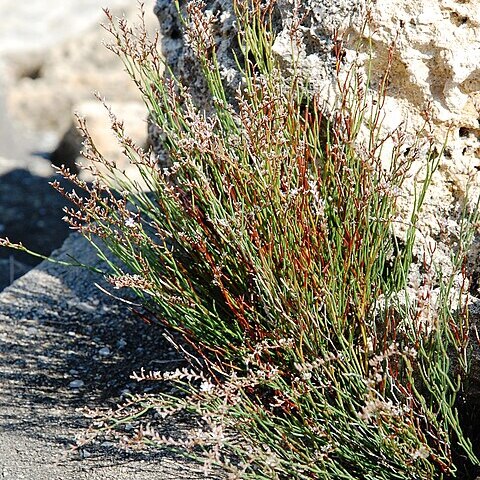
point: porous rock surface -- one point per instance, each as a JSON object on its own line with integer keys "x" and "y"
{"x": 436, "y": 59}
{"x": 435, "y": 68}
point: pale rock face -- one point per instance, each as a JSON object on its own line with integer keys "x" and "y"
{"x": 132, "y": 114}
{"x": 52, "y": 59}
{"x": 436, "y": 61}
{"x": 435, "y": 66}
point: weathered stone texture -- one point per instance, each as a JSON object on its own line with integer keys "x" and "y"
{"x": 435, "y": 68}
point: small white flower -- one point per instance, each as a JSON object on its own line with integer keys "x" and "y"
{"x": 206, "y": 387}
{"x": 130, "y": 222}
{"x": 306, "y": 376}
{"x": 422, "y": 453}
{"x": 228, "y": 74}
{"x": 293, "y": 192}
{"x": 226, "y": 15}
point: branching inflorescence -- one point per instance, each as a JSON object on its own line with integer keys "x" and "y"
{"x": 266, "y": 240}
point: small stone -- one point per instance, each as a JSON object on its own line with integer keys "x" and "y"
{"x": 86, "y": 454}
{"x": 32, "y": 330}
{"x": 107, "y": 444}
{"x": 73, "y": 372}
{"x": 121, "y": 343}
{"x": 94, "y": 301}
{"x": 86, "y": 307}
{"x": 76, "y": 384}
{"x": 104, "y": 352}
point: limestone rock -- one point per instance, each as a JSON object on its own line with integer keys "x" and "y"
{"x": 435, "y": 67}
{"x": 322, "y": 17}
{"x": 60, "y": 61}
{"x": 436, "y": 59}
{"x": 132, "y": 114}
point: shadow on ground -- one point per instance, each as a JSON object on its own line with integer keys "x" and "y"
{"x": 31, "y": 213}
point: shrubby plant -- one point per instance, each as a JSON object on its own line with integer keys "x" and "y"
{"x": 265, "y": 238}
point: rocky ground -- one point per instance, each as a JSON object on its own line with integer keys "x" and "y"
{"x": 63, "y": 345}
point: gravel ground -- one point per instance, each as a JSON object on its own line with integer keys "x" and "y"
{"x": 54, "y": 326}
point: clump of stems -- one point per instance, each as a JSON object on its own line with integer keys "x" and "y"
{"x": 265, "y": 237}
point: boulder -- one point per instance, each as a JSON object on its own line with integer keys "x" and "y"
{"x": 58, "y": 61}
{"x": 132, "y": 114}
{"x": 435, "y": 68}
